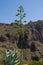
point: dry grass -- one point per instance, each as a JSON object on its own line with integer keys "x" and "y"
{"x": 1, "y": 56}
{"x": 3, "y": 47}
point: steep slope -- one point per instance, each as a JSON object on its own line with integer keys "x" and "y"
{"x": 32, "y": 42}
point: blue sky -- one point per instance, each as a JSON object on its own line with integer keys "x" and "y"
{"x": 8, "y": 10}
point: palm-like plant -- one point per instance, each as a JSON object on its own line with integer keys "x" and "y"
{"x": 12, "y": 58}
{"x": 21, "y": 15}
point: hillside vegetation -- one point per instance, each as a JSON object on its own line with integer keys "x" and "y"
{"x": 31, "y": 42}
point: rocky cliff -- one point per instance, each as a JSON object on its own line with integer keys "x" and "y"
{"x": 32, "y": 41}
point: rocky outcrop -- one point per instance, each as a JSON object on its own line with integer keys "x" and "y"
{"x": 32, "y": 41}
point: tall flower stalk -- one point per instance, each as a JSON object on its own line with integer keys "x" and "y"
{"x": 21, "y": 15}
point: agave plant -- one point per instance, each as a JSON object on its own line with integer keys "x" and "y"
{"x": 12, "y": 58}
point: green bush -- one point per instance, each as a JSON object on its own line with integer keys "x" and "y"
{"x": 40, "y": 62}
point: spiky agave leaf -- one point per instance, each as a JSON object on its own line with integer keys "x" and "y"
{"x": 12, "y": 58}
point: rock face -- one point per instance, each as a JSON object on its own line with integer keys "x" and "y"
{"x": 35, "y": 40}
{"x": 31, "y": 43}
